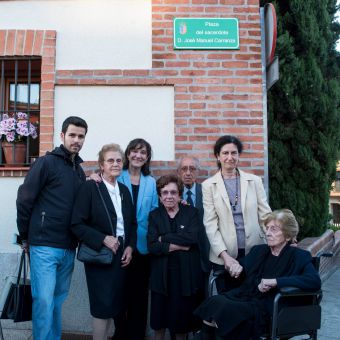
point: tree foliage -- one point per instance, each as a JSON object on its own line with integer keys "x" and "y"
{"x": 303, "y": 111}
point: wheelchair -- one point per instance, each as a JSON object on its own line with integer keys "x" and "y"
{"x": 295, "y": 312}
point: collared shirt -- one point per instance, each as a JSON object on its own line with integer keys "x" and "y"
{"x": 117, "y": 203}
{"x": 193, "y": 193}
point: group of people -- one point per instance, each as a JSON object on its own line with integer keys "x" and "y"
{"x": 166, "y": 236}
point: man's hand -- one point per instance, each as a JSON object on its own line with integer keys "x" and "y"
{"x": 127, "y": 256}
{"x": 112, "y": 243}
{"x": 95, "y": 177}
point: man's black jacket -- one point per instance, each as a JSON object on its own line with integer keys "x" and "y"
{"x": 45, "y": 199}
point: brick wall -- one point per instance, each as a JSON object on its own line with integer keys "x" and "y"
{"x": 216, "y": 91}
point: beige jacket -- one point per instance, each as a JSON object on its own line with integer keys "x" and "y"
{"x": 218, "y": 217}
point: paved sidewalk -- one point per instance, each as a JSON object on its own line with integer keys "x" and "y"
{"x": 329, "y": 326}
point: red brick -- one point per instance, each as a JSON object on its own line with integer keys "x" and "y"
{"x": 232, "y": 2}
{"x": 183, "y": 146}
{"x": 92, "y": 82}
{"x": 164, "y": 56}
{"x": 205, "y": 2}
{"x": 221, "y": 122}
{"x": 219, "y": 9}
{"x": 88, "y": 73}
{"x": 181, "y": 122}
{"x": 198, "y": 138}
{"x": 157, "y": 64}
{"x": 206, "y": 64}
{"x": 19, "y": 42}
{"x": 207, "y": 130}
{"x": 193, "y": 73}
{"x": 70, "y": 81}
{"x": 38, "y": 43}
{"x": 164, "y": 73}
{"x": 163, "y": 9}
{"x": 48, "y": 51}
{"x": 181, "y": 138}
{"x": 192, "y": 9}
{"x": 205, "y": 97}
{"x": 107, "y": 72}
{"x": 246, "y": 9}
{"x": 221, "y": 73}
{"x": 248, "y": 73}
{"x": 197, "y": 89}
{"x": 221, "y": 89}
{"x": 234, "y": 64}
{"x": 221, "y": 105}
{"x": 135, "y": 73}
{"x": 221, "y": 56}
{"x": 183, "y": 113}
{"x": 234, "y": 96}
{"x": 47, "y": 77}
{"x": 162, "y": 40}
{"x": 179, "y": 81}
{"x": 197, "y": 122}
{"x": 10, "y": 42}
{"x": 181, "y": 105}
{"x": 192, "y": 56}
{"x": 249, "y": 121}
{"x": 182, "y": 97}
{"x": 50, "y": 34}
{"x": 195, "y": 106}
{"x": 177, "y": 64}
{"x": 3, "y": 34}
{"x": 158, "y": 32}
{"x": 235, "y": 81}
{"x": 206, "y": 114}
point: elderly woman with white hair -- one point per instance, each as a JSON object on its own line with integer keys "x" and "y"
{"x": 242, "y": 313}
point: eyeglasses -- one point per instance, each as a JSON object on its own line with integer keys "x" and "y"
{"x": 171, "y": 192}
{"x": 112, "y": 161}
{"x": 190, "y": 168}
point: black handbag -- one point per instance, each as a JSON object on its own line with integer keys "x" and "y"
{"x": 104, "y": 256}
{"x": 18, "y": 304}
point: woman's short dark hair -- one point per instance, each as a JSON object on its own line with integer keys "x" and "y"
{"x": 136, "y": 144}
{"x": 227, "y": 139}
{"x": 167, "y": 179}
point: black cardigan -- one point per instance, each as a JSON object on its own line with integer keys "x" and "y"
{"x": 90, "y": 221}
{"x": 186, "y": 234}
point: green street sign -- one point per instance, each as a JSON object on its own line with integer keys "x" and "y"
{"x": 206, "y": 33}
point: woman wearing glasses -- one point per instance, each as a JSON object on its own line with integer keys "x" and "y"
{"x": 176, "y": 276}
{"x": 103, "y": 215}
{"x": 235, "y": 205}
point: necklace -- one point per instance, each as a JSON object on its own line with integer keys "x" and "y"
{"x": 234, "y": 205}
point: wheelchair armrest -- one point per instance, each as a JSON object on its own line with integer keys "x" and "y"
{"x": 218, "y": 273}
{"x": 293, "y": 291}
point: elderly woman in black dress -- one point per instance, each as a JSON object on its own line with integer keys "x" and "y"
{"x": 243, "y": 312}
{"x": 176, "y": 276}
{"x": 90, "y": 223}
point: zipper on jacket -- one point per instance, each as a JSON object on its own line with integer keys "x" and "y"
{"x": 42, "y": 218}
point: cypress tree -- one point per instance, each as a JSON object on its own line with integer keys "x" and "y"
{"x": 303, "y": 112}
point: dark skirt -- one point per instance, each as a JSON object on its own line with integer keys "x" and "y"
{"x": 174, "y": 311}
{"x": 235, "y": 319}
{"x": 106, "y": 288}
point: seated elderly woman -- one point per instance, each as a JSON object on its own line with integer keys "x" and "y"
{"x": 243, "y": 312}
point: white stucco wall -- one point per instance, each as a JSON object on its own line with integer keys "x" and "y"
{"x": 117, "y": 114}
{"x": 8, "y": 226}
{"x": 91, "y": 34}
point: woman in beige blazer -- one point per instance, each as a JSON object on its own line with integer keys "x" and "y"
{"x": 235, "y": 206}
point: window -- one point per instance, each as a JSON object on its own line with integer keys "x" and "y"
{"x": 19, "y": 103}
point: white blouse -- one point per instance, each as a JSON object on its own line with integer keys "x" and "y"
{"x": 117, "y": 203}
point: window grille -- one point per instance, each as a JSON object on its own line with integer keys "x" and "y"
{"x": 20, "y": 80}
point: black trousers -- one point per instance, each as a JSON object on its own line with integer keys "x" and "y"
{"x": 138, "y": 278}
